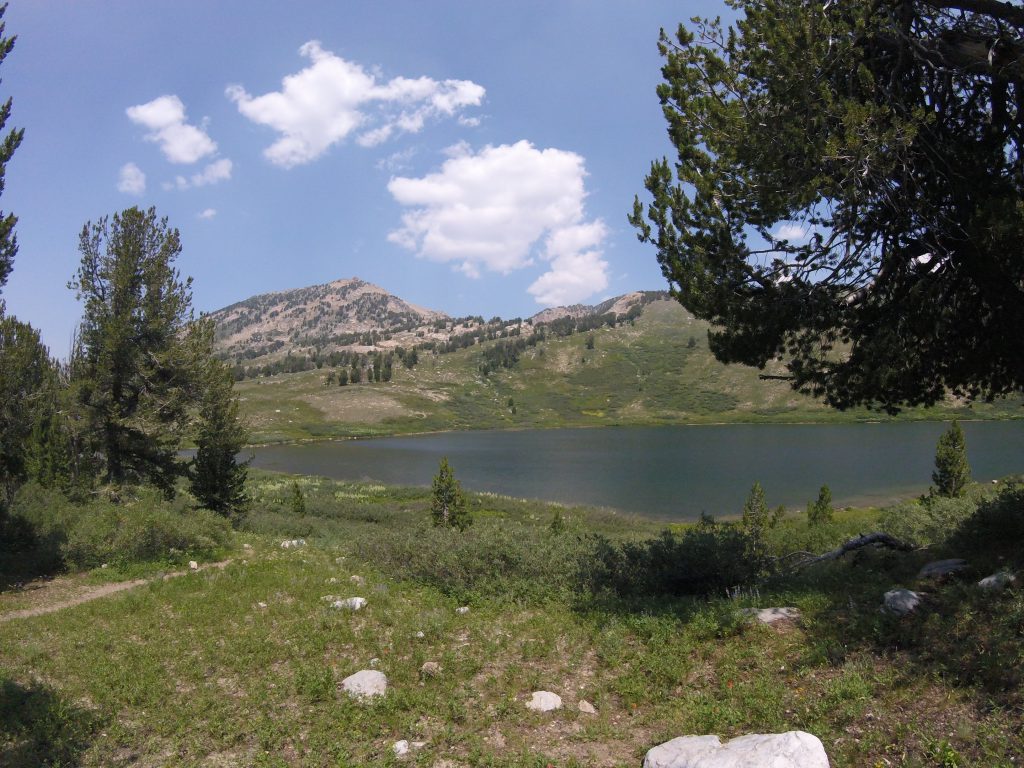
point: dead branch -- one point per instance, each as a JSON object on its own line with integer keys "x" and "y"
{"x": 857, "y": 542}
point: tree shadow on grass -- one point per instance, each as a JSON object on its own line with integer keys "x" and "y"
{"x": 39, "y": 727}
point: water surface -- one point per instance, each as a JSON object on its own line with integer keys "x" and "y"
{"x": 668, "y": 472}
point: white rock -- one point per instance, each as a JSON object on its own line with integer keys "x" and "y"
{"x": 900, "y": 601}
{"x": 940, "y": 568}
{"x": 193, "y": 565}
{"x": 374, "y": 662}
{"x": 430, "y": 669}
{"x": 997, "y": 581}
{"x": 247, "y": 546}
{"x": 359, "y": 581}
{"x": 261, "y": 604}
{"x": 586, "y": 707}
{"x": 794, "y": 749}
{"x": 400, "y": 747}
{"x": 419, "y": 635}
{"x": 349, "y": 604}
{"x": 292, "y": 543}
{"x": 771, "y": 615}
{"x": 332, "y": 580}
{"x": 544, "y": 701}
{"x": 365, "y": 684}
{"x": 464, "y": 609}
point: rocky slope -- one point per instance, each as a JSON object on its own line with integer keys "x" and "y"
{"x": 354, "y": 314}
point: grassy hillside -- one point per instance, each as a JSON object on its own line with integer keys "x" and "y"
{"x": 242, "y": 665}
{"x": 641, "y": 374}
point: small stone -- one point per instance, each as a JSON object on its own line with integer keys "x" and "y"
{"x": 104, "y": 566}
{"x": 462, "y": 610}
{"x": 900, "y": 602}
{"x": 430, "y": 669}
{"x": 400, "y": 747}
{"x": 586, "y": 707}
{"x": 261, "y": 604}
{"x": 349, "y": 604}
{"x": 332, "y": 580}
{"x": 419, "y": 635}
{"x": 365, "y": 684}
{"x": 193, "y": 565}
{"x": 997, "y": 581}
{"x": 359, "y": 581}
{"x": 941, "y": 568}
{"x": 544, "y": 701}
{"x": 375, "y": 662}
{"x": 247, "y": 546}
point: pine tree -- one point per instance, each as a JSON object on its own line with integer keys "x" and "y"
{"x": 755, "y": 523}
{"x": 952, "y": 472}
{"x": 10, "y": 142}
{"x": 217, "y": 479}
{"x": 298, "y": 500}
{"x": 820, "y": 511}
{"x": 25, "y": 374}
{"x": 141, "y": 359}
{"x": 448, "y": 503}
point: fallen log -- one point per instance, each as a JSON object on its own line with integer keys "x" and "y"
{"x": 857, "y": 542}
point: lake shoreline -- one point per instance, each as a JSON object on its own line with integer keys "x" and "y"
{"x": 754, "y": 423}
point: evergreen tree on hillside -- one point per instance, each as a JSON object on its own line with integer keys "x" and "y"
{"x": 141, "y": 359}
{"x": 217, "y": 478}
{"x": 952, "y": 472}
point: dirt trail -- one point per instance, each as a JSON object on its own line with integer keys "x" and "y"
{"x": 58, "y": 594}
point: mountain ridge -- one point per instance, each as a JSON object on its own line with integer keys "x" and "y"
{"x": 353, "y": 314}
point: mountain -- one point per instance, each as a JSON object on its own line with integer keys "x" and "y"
{"x": 332, "y": 315}
{"x": 353, "y": 314}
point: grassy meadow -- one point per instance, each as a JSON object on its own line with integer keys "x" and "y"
{"x": 241, "y": 665}
{"x": 642, "y": 374}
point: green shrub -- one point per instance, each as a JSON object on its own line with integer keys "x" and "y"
{"x": 496, "y": 558}
{"x": 702, "y": 560}
{"x": 996, "y": 529}
{"x": 928, "y": 521}
{"x": 144, "y": 527}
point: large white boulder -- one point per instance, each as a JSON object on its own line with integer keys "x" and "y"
{"x": 794, "y": 749}
{"x": 544, "y": 701}
{"x": 365, "y": 684}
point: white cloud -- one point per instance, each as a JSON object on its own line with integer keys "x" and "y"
{"x": 330, "y": 99}
{"x": 131, "y": 180}
{"x": 218, "y": 170}
{"x": 209, "y": 213}
{"x": 180, "y": 142}
{"x": 493, "y": 209}
{"x": 792, "y": 232}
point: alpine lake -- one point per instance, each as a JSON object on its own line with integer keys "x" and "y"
{"x": 671, "y": 472}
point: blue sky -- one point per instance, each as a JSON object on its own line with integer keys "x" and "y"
{"x": 470, "y": 157}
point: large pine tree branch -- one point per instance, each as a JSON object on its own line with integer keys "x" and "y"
{"x": 1003, "y": 11}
